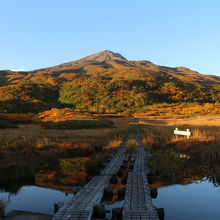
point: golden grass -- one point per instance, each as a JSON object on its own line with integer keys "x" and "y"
{"x": 148, "y": 139}
{"x": 113, "y": 143}
{"x": 132, "y": 142}
{"x": 181, "y": 160}
{"x": 203, "y": 128}
{"x": 33, "y": 135}
{"x": 185, "y": 110}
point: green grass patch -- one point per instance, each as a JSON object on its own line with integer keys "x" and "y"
{"x": 79, "y": 124}
{"x": 73, "y": 164}
{"x": 7, "y": 125}
{"x": 95, "y": 164}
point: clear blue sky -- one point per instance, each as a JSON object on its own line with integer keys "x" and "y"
{"x": 42, "y": 33}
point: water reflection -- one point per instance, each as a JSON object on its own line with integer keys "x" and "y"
{"x": 62, "y": 174}
{"x": 187, "y": 181}
{"x": 34, "y": 199}
{"x": 199, "y": 200}
{"x": 30, "y": 188}
{"x": 13, "y": 177}
{"x": 170, "y": 165}
{"x": 109, "y": 208}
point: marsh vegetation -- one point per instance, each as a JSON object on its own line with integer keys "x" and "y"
{"x": 32, "y": 154}
{"x": 60, "y": 159}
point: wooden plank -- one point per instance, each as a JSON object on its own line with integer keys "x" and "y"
{"x": 137, "y": 195}
{"x": 80, "y": 207}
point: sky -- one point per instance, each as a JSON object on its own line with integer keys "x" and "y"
{"x": 42, "y": 33}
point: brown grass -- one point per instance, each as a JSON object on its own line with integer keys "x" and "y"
{"x": 185, "y": 110}
{"x": 113, "y": 143}
{"x": 35, "y": 136}
{"x": 203, "y": 128}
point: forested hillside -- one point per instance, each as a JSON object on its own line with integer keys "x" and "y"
{"x": 105, "y": 83}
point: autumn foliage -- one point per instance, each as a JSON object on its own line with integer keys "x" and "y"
{"x": 104, "y": 83}
{"x": 57, "y": 115}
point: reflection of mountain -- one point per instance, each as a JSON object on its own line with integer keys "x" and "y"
{"x": 160, "y": 182}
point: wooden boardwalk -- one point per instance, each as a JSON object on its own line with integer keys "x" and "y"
{"x": 138, "y": 203}
{"x": 80, "y": 207}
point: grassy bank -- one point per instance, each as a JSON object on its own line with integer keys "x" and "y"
{"x": 178, "y": 159}
{"x": 49, "y": 153}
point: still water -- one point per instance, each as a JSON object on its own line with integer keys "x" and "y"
{"x": 34, "y": 199}
{"x": 183, "y": 190}
{"x": 196, "y": 201}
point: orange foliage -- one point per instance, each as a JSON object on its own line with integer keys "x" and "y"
{"x": 179, "y": 111}
{"x": 73, "y": 145}
{"x": 57, "y": 115}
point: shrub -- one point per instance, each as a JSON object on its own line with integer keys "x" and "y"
{"x": 79, "y": 124}
{"x": 7, "y": 125}
{"x": 95, "y": 164}
{"x": 17, "y": 118}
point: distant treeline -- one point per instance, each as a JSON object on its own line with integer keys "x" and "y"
{"x": 102, "y": 95}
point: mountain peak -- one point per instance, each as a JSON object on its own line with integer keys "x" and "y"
{"x": 104, "y": 56}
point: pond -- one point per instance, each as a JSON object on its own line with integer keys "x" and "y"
{"x": 187, "y": 180}
{"x": 188, "y": 186}
{"x": 37, "y": 190}
{"x": 199, "y": 200}
{"x": 34, "y": 199}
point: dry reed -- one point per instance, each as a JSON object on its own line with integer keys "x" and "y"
{"x": 35, "y": 136}
{"x": 204, "y": 129}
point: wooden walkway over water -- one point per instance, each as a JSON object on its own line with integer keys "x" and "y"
{"x": 137, "y": 202}
{"x": 80, "y": 207}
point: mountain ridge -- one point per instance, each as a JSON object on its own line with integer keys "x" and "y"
{"x": 104, "y": 82}
{"x": 108, "y": 61}
{"x": 107, "y": 64}
{"x": 108, "y": 57}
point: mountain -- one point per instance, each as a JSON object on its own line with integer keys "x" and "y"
{"x": 114, "y": 65}
{"x": 103, "y": 56}
{"x": 107, "y": 64}
{"x": 111, "y": 74}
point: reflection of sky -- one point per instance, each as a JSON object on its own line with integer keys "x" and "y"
{"x": 111, "y": 206}
{"x": 35, "y": 199}
{"x": 196, "y": 201}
